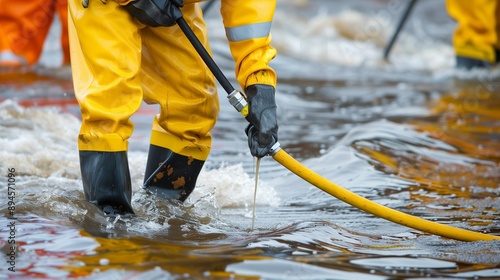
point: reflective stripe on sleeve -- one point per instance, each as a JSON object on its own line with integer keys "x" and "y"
{"x": 249, "y": 31}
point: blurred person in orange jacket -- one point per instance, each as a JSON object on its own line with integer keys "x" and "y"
{"x": 476, "y": 39}
{"x": 125, "y": 52}
{"x": 24, "y": 25}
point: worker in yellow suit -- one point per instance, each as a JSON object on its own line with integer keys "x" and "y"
{"x": 24, "y": 25}
{"x": 124, "y": 52}
{"x": 476, "y": 39}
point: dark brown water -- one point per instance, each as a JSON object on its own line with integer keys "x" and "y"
{"x": 413, "y": 134}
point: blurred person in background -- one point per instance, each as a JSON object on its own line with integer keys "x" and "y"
{"x": 24, "y": 25}
{"x": 476, "y": 39}
{"x": 125, "y": 52}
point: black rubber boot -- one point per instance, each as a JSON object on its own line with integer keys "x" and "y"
{"x": 106, "y": 181}
{"x": 170, "y": 175}
{"x": 470, "y": 63}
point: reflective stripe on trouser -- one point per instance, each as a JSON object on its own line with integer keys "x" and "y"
{"x": 118, "y": 62}
{"x": 478, "y": 29}
{"x": 24, "y": 25}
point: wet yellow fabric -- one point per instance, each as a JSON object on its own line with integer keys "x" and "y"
{"x": 119, "y": 62}
{"x": 478, "y": 29}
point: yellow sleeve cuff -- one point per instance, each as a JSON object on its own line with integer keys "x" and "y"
{"x": 267, "y": 77}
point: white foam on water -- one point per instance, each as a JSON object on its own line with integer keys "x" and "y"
{"x": 308, "y": 46}
{"x": 231, "y": 186}
{"x": 38, "y": 141}
{"x": 396, "y": 262}
{"x": 355, "y": 39}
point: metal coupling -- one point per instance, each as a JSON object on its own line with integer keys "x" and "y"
{"x": 237, "y": 99}
{"x": 275, "y": 148}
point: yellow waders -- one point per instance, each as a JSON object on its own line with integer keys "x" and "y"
{"x": 118, "y": 62}
{"x": 477, "y": 34}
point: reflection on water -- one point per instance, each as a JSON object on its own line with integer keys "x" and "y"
{"x": 455, "y": 164}
{"x": 424, "y": 142}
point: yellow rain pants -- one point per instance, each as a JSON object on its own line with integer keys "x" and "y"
{"x": 117, "y": 62}
{"x": 478, "y": 31}
{"x": 24, "y": 25}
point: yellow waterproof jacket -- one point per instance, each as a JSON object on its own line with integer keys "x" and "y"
{"x": 248, "y": 30}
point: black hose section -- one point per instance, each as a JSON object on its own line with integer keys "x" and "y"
{"x": 205, "y": 55}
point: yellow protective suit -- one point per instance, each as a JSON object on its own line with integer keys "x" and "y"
{"x": 117, "y": 62}
{"x": 24, "y": 25}
{"x": 477, "y": 34}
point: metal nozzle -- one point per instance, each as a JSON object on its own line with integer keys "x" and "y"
{"x": 237, "y": 99}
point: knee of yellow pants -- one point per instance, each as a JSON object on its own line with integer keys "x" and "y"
{"x": 185, "y": 128}
{"x": 179, "y": 82}
{"x": 198, "y": 148}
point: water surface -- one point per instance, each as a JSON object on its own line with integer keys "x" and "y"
{"x": 413, "y": 134}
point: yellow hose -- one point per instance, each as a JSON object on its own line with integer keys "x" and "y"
{"x": 374, "y": 208}
{"x": 237, "y": 100}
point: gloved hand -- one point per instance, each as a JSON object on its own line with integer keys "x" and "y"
{"x": 151, "y": 12}
{"x": 262, "y": 131}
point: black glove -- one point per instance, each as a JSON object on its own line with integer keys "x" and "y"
{"x": 262, "y": 131}
{"x": 156, "y": 12}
